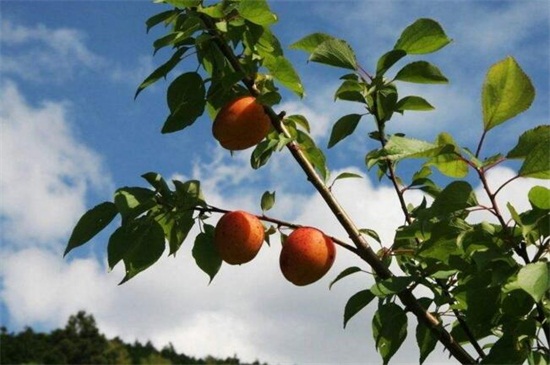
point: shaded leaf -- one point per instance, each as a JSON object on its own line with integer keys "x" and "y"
{"x": 388, "y": 60}
{"x": 133, "y": 201}
{"x": 534, "y": 279}
{"x": 371, "y": 233}
{"x": 346, "y": 175}
{"x": 186, "y": 100}
{"x": 159, "y": 18}
{"x": 421, "y": 72}
{"x": 458, "y": 195}
{"x": 205, "y": 253}
{"x": 90, "y": 224}
{"x": 426, "y": 341}
{"x": 390, "y": 286}
{"x": 343, "y": 274}
{"x": 507, "y": 91}
{"x": 413, "y": 103}
{"x": 343, "y": 128}
{"x": 389, "y": 328}
{"x": 421, "y": 37}
{"x": 268, "y": 200}
{"x": 350, "y": 90}
{"x": 356, "y": 303}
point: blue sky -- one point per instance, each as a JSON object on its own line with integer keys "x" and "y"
{"x": 71, "y": 133}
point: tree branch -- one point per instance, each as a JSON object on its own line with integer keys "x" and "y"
{"x": 363, "y": 248}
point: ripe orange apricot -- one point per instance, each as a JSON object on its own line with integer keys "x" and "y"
{"x": 238, "y": 236}
{"x": 307, "y": 255}
{"x": 240, "y": 124}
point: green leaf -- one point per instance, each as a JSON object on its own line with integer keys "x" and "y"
{"x": 176, "y": 228}
{"x": 133, "y": 201}
{"x": 534, "y": 279}
{"x": 350, "y": 90}
{"x": 343, "y": 274}
{"x": 355, "y": 303}
{"x": 421, "y": 72}
{"x": 389, "y": 328}
{"x": 538, "y": 358}
{"x": 186, "y": 100}
{"x": 426, "y": 341}
{"x": 506, "y": 350}
{"x": 335, "y": 52}
{"x": 393, "y": 285}
{"x": 257, "y": 12}
{"x": 450, "y": 165}
{"x": 159, "y": 18}
{"x": 388, "y": 60}
{"x": 346, "y": 175}
{"x": 283, "y": 71}
{"x": 162, "y": 70}
{"x": 421, "y": 37}
{"x": 157, "y": 182}
{"x": 371, "y": 233}
{"x": 413, "y": 103}
{"x": 268, "y": 200}
{"x": 215, "y": 11}
{"x": 189, "y": 194}
{"x": 145, "y": 245}
{"x": 528, "y": 140}
{"x": 299, "y": 120}
{"x": 537, "y": 162}
{"x": 205, "y": 253}
{"x": 311, "y": 42}
{"x": 507, "y": 92}
{"x": 90, "y": 224}
{"x": 539, "y": 197}
{"x": 343, "y": 128}
{"x": 399, "y": 147}
{"x": 457, "y": 196}
{"x": 181, "y": 3}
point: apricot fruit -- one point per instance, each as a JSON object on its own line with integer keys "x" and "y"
{"x": 238, "y": 237}
{"x": 241, "y": 123}
{"x": 307, "y": 255}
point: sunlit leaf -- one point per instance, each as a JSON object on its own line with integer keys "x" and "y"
{"x": 539, "y": 196}
{"x": 257, "y": 12}
{"x": 421, "y": 37}
{"x": 388, "y": 60}
{"x": 413, "y": 103}
{"x": 343, "y": 128}
{"x": 507, "y": 91}
{"x": 311, "y": 42}
{"x": 528, "y": 140}
{"x": 283, "y": 71}
{"x": 267, "y": 201}
{"x": 335, "y": 52}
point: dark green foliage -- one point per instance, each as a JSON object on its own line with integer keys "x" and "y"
{"x": 81, "y": 342}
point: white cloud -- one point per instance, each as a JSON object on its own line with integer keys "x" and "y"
{"x": 40, "y": 53}
{"x": 46, "y": 172}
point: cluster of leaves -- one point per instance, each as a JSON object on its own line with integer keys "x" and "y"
{"x": 81, "y": 342}
{"x": 488, "y": 282}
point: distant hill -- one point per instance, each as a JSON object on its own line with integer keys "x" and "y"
{"x": 81, "y": 342}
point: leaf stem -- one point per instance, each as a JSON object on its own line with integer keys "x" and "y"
{"x": 478, "y": 149}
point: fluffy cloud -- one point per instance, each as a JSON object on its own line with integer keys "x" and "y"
{"x": 46, "y": 172}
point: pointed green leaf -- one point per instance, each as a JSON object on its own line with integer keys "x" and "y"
{"x": 401, "y": 147}
{"x": 426, "y": 341}
{"x": 300, "y": 120}
{"x": 343, "y": 274}
{"x": 537, "y": 162}
{"x": 539, "y": 197}
{"x": 335, "y": 52}
{"x": 283, "y": 71}
{"x": 507, "y": 92}
{"x": 389, "y": 328}
{"x": 534, "y": 279}
{"x": 159, "y": 18}
{"x": 176, "y": 228}
{"x": 311, "y": 42}
{"x": 186, "y": 100}
{"x": 450, "y": 165}
{"x": 388, "y": 60}
{"x": 157, "y": 182}
{"x": 528, "y": 140}
{"x": 205, "y": 253}
{"x": 145, "y": 248}
{"x": 356, "y": 303}
{"x": 343, "y": 128}
{"x": 413, "y": 103}
{"x": 133, "y": 201}
{"x": 421, "y": 72}
{"x": 346, "y": 175}
{"x": 162, "y": 70}
{"x": 421, "y": 37}
{"x": 90, "y": 224}
{"x": 268, "y": 200}
{"x": 257, "y": 12}
{"x": 393, "y": 285}
{"x": 350, "y": 90}
{"x": 371, "y": 233}
{"x": 458, "y": 195}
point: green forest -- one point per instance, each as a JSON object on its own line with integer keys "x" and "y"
{"x": 81, "y": 342}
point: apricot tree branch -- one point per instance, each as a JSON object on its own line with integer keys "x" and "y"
{"x": 363, "y": 248}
